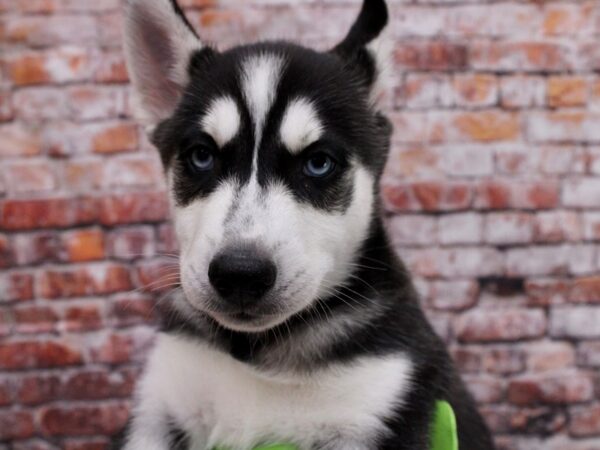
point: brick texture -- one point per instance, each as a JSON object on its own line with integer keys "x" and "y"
{"x": 492, "y": 197}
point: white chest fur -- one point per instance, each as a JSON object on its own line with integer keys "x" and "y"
{"x": 220, "y": 401}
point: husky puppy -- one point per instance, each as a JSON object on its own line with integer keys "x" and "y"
{"x": 295, "y": 322}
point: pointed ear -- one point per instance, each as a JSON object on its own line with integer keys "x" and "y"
{"x": 367, "y": 51}
{"x": 159, "y": 42}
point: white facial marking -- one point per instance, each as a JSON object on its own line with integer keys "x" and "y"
{"x": 222, "y": 402}
{"x": 300, "y": 126}
{"x": 261, "y": 77}
{"x": 222, "y": 121}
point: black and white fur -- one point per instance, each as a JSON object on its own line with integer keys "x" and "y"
{"x": 336, "y": 354}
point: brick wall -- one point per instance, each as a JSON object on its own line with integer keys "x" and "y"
{"x": 492, "y": 192}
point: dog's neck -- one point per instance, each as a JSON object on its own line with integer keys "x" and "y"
{"x": 349, "y": 323}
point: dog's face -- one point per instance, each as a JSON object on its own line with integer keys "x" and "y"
{"x": 272, "y": 154}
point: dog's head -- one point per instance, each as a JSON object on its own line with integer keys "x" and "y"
{"x": 273, "y": 154}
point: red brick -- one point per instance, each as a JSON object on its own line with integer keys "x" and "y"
{"x": 83, "y": 318}
{"x": 36, "y": 390}
{"x": 476, "y": 90}
{"x": 134, "y": 309}
{"x": 90, "y": 385}
{"x": 47, "y": 213}
{"x": 65, "y": 64}
{"x": 130, "y": 172}
{"x": 567, "y": 91}
{"x": 115, "y": 349}
{"x": 544, "y": 292}
{"x": 111, "y": 69}
{"x": 134, "y": 208}
{"x": 35, "y": 319}
{"x": 545, "y": 356}
{"x": 585, "y": 290}
{"x": 588, "y": 354}
{"x": 84, "y": 421}
{"x": 7, "y": 256}
{"x": 84, "y": 175}
{"x": 485, "y": 389}
{"x": 42, "y": 30}
{"x": 36, "y": 248}
{"x": 38, "y": 354}
{"x": 132, "y": 243}
{"x": 29, "y": 177}
{"x": 585, "y": 421}
{"x": 455, "y": 295}
{"x": 553, "y": 388}
{"x": 488, "y": 126}
{"x": 19, "y": 140}
{"x": 427, "y": 196}
{"x": 120, "y": 137}
{"x": 504, "y": 194}
{"x": 524, "y": 55}
{"x": 7, "y": 111}
{"x": 16, "y": 425}
{"x": 87, "y": 444}
{"x": 502, "y": 360}
{"x": 84, "y": 281}
{"x": 431, "y": 56}
{"x": 16, "y": 287}
{"x": 569, "y": 19}
{"x": 84, "y": 245}
{"x": 89, "y": 102}
{"x": 500, "y": 325}
{"x": 558, "y": 226}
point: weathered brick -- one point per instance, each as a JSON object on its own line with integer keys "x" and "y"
{"x": 97, "y": 279}
{"x": 575, "y": 322}
{"x": 16, "y": 425}
{"x": 19, "y": 140}
{"x": 29, "y": 177}
{"x": 82, "y": 420}
{"x": 567, "y": 91}
{"x": 585, "y": 421}
{"x": 134, "y": 208}
{"x": 83, "y": 245}
{"x": 38, "y": 354}
{"x": 501, "y": 325}
{"x": 559, "y": 387}
{"x": 460, "y": 228}
{"x": 508, "y": 228}
{"x": 47, "y": 213}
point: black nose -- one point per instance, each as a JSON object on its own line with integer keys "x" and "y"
{"x": 242, "y": 276}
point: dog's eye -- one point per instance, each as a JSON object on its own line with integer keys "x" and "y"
{"x": 202, "y": 159}
{"x": 319, "y": 165}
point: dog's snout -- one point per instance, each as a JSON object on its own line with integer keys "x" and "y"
{"x": 242, "y": 275}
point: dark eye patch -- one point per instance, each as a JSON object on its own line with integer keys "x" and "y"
{"x": 332, "y": 192}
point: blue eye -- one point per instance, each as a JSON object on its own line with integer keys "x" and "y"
{"x": 202, "y": 159}
{"x": 319, "y": 165}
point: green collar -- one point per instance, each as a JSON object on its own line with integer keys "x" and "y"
{"x": 443, "y": 434}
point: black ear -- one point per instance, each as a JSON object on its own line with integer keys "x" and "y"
{"x": 371, "y": 21}
{"x": 364, "y": 49}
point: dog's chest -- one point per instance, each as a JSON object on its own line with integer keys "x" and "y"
{"x": 220, "y": 401}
